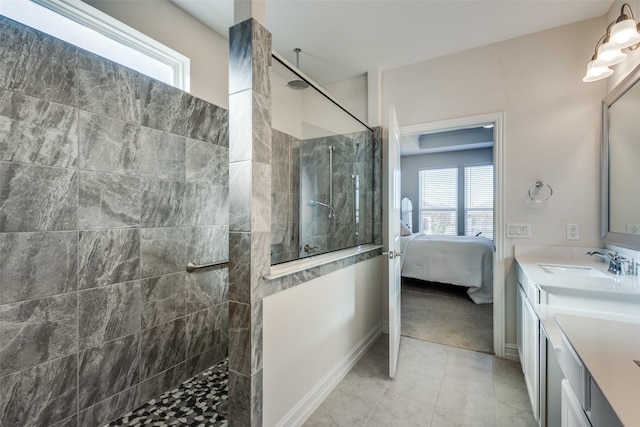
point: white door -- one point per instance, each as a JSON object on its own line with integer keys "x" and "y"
{"x": 393, "y": 239}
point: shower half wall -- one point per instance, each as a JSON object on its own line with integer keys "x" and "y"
{"x": 110, "y": 182}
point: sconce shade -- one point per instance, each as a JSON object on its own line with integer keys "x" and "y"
{"x": 623, "y": 34}
{"x": 596, "y": 72}
{"x": 606, "y": 58}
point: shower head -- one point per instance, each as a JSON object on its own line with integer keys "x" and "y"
{"x": 297, "y": 84}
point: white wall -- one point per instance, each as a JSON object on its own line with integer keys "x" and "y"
{"x": 552, "y": 125}
{"x": 308, "y": 329}
{"x": 170, "y": 25}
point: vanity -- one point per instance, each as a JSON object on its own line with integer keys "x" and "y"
{"x": 578, "y": 322}
{"x": 578, "y": 337}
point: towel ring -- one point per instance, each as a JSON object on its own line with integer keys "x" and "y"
{"x": 536, "y": 189}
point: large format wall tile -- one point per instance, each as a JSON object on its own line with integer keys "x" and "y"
{"x": 108, "y": 256}
{"x": 202, "y": 121}
{"x": 160, "y": 106}
{"x": 108, "y": 369}
{"x": 108, "y": 201}
{"x": 164, "y": 203}
{"x": 111, "y": 408}
{"x": 163, "y": 346}
{"x": 162, "y": 155}
{"x": 108, "y": 313}
{"x": 204, "y": 204}
{"x": 117, "y": 96}
{"x": 163, "y": 299}
{"x": 36, "y": 64}
{"x": 109, "y": 145}
{"x": 37, "y": 131}
{"x": 207, "y": 289}
{"x": 34, "y": 265}
{"x": 35, "y": 331}
{"x": 207, "y": 163}
{"x": 162, "y": 251}
{"x": 41, "y": 395}
{"x": 207, "y": 244}
{"x": 203, "y": 331}
{"x": 164, "y": 381}
{"x": 36, "y": 198}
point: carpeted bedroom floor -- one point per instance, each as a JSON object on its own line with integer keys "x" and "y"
{"x": 445, "y": 314}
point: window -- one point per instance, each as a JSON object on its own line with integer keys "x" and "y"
{"x": 439, "y": 201}
{"x": 446, "y": 208}
{"x": 88, "y": 28}
{"x": 478, "y": 213}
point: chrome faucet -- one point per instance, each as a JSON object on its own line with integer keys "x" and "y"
{"x": 616, "y": 261}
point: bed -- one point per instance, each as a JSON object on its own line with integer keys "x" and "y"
{"x": 456, "y": 260}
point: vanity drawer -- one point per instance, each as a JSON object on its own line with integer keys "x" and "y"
{"x": 574, "y": 371}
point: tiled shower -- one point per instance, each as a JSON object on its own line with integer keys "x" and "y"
{"x": 110, "y": 182}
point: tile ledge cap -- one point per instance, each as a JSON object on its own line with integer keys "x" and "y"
{"x": 296, "y": 266}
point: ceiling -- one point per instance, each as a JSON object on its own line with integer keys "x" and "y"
{"x": 341, "y": 39}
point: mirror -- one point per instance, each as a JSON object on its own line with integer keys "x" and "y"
{"x": 620, "y": 173}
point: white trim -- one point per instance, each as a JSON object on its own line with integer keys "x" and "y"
{"x": 385, "y": 326}
{"x": 511, "y": 352}
{"x": 302, "y": 410}
{"x": 106, "y": 27}
{"x": 499, "y": 304}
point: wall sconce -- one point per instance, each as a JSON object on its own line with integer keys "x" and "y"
{"x": 621, "y": 34}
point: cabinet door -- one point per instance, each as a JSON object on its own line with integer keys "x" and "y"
{"x": 519, "y": 325}
{"x": 532, "y": 358}
{"x": 529, "y": 349}
{"x": 572, "y": 413}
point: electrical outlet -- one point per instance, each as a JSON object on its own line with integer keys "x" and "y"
{"x": 573, "y": 232}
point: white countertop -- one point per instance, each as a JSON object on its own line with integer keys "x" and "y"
{"x": 612, "y": 284}
{"x": 608, "y": 349}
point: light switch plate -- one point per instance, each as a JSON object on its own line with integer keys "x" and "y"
{"x": 518, "y": 230}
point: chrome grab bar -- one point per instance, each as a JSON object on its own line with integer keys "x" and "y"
{"x": 191, "y": 267}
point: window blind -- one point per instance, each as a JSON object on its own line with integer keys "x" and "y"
{"x": 438, "y": 201}
{"x": 479, "y": 200}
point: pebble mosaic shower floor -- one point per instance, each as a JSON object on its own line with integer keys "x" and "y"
{"x": 198, "y": 402}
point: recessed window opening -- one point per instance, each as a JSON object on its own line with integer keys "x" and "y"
{"x": 78, "y": 23}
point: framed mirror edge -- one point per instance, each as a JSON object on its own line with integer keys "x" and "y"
{"x": 629, "y": 241}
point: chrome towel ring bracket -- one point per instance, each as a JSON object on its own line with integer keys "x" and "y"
{"x": 540, "y": 192}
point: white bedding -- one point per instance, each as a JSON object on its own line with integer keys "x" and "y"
{"x": 457, "y": 260}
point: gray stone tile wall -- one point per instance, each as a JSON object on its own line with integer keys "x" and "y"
{"x": 285, "y": 197}
{"x": 353, "y": 156}
{"x": 110, "y": 182}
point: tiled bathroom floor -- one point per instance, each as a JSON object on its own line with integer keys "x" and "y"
{"x": 436, "y": 385}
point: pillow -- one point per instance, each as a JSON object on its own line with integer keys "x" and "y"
{"x": 404, "y": 230}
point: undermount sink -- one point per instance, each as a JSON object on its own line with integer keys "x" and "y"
{"x": 572, "y": 270}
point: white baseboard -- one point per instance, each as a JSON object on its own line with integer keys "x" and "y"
{"x": 385, "y": 326}
{"x": 512, "y": 352}
{"x": 314, "y": 398}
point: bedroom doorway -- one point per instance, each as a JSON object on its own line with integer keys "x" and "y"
{"x": 477, "y": 158}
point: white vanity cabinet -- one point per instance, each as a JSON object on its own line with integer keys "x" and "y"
{"x": 577, "y": 338}
{"x": 528, "y": 348}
